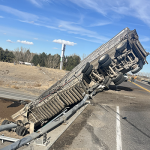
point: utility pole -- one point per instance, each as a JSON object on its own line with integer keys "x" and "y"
{"x": 64, "y": 43}
{"x": 62, "y": 55}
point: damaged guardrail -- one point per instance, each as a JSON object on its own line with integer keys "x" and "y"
{"x": 52, "y": 124}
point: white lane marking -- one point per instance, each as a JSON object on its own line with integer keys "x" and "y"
{"x": 118, "y": 130}
{"x": 129, "y": 96}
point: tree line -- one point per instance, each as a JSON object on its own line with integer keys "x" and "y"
{"x": 6, "y": 55}
{"x": 42, "y": 59}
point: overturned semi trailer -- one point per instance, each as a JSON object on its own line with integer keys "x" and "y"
{"x": 108, "y": 63}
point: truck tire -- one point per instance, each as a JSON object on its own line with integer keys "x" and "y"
{"x": 138, "y": 68}
{"x": 107, "y": 63}
{"x": 86, "y": 67}
{"x": 22, "y": 131}
{"x": 119, "y": 77}
{"x": 4, "y": 122}
{"x": 103, "y": 59}
{"x": 18, "y": 129}
{"x": 89, "y": 70}
{"x": 120, "y": 81}
{"x": 86, "y": 78}
{"x": 121, "y": 46}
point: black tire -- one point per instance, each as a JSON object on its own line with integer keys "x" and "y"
{"x": 107, "y": 63}
{"x": 4, "y": 122}
{"x": 18, "y": 129}
{"x": 86, "y": 67}
{"x": 22, "y": 131}
{"x": 136, "y": 70}
{"x": 20, "y": 123}
{"x": 103, "y": 59}
{"x": 89, "y": 70}
{"x": 87, "y": 79}
{"x": 122, "y": 46}
{"x": 119, "y": 77}
{"x": 105, "y": 80}
{"x": 120, "y": 81}
{"x": 141, "y": 64}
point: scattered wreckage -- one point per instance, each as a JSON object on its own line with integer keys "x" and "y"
{"x": 108, "y": 63}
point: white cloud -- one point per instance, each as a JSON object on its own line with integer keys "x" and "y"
{"x": 97, "y": 5}
{"x": 4, "y": 33}
{"x": 25, "y": 42}
{"x": 1, "y": 17}
{"x": 55, "y": 48}
{"x": 18, "y": 13}
{"x": 75, "y": 29}
{"x": 39, "y": 3}
{"x": 137, "y": 8}
{"x": 144, "y": 39}
{"x": 35, "y": 38}
{"x": 64, "y": 42}
{"x": 90, "y": 40}
{"x": 9, "y": 41}
{"x": 100, "y": 23}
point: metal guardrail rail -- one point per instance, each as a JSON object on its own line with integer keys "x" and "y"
{"x": 49, "y": 126}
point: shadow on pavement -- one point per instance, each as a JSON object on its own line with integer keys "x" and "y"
{"x": 119, "y": 88}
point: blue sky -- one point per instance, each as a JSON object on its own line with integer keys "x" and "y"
{"x": 34, "y": 24}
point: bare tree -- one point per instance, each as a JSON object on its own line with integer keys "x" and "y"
{"x": 84, "y": 56}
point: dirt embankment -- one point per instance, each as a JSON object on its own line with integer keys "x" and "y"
{"x": 31, "y": 79}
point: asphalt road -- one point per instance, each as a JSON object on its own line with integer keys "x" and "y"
{"x": 15, "y": 94}
{"x": 115, "y": 120}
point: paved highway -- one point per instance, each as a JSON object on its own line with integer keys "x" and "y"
{"x": 15, "y": 94}
{"x": 115, "y": 120}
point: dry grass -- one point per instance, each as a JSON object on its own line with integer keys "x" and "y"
{"x": 31, "y": 79}
{"x": 37, "y": 85}
{"x": 1, "y": 82}
{"x": 14, "y": 87}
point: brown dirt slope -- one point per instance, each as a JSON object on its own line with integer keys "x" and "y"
{"x": 28, "y": 78}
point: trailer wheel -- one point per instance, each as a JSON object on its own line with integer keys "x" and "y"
{"x": 89, "y": 70}
{"x": 86, "y": 67}
{"x": 103, "y": 59}
{"x": 18, "y": 129}
{"x": 22, "y": 131}
{"x": 120, "y": 81}
{"x": 4, "y": 122}
{"x": 107, "y": 63}
{"x": 86, "y": 78}
{"x": 20, "y": 123}
{"x": 121, "y": 46}
{"x": 119, "y": 77}
{"x": 138, "y": 68}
